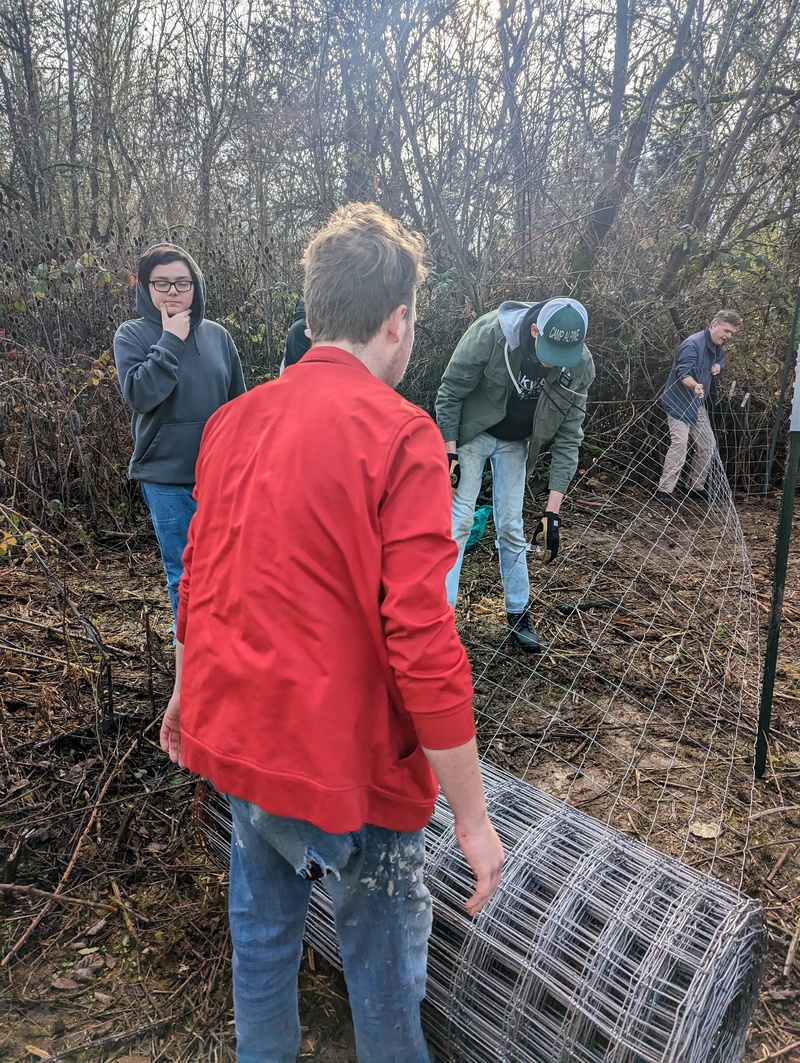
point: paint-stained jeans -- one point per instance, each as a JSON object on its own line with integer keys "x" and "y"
{"x": 171, "y": 508}
{"x": 383, "y": 919}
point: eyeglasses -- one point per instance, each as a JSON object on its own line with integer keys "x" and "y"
{"x": 179, "y": 286}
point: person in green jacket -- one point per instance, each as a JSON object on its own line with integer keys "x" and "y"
{"x": 517, "y": 381}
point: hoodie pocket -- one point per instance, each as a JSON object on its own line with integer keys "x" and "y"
{"x": 172, "y": 455}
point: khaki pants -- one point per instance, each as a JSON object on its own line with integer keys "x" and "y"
{"x": 680, "y": 432}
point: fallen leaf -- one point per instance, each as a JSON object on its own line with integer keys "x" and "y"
{"x": 38, "y": 1052}
{"x": 708, "y": 829}
{"x": 89, "y": 963}
{"x": 102, "y": 998}
{"x": 63, "y": 983}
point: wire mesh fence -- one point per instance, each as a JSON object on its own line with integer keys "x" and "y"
{"x": 743, "y": 425}
{"x": 596, "y": 948}
{"x": 642, "y": 706}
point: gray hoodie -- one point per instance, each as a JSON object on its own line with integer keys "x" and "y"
{"x": 173, "y": 386}
{"x": 512, "y": 315}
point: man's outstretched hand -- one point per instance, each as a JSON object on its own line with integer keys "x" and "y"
{"x": 171, "y": 729}
{"x": 483, "y": 851}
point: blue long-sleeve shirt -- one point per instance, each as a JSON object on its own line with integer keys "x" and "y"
{"x": 693, "y": 358}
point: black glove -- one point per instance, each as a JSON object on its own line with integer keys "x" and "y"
{"x": 455, "y": 470}
{"x": 546, "y": 537}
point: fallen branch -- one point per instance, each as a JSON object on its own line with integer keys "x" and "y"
{"x": 790, "y": 955}
{"x": 772, "y": 811}
{"x": 31, "y": 891}
{"x": 126, "y": 1035}
{"x": 74, "y": 858}
{"x": 772, "y": 1055}
{"x": 781, "y": 861}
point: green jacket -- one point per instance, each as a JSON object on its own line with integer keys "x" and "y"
{"x": 479, "y": 379}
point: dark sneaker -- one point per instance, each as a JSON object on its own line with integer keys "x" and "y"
{"x": 700, "y": 495}
{"x": 523, "y": 631}
{"x": 665, "y": 498}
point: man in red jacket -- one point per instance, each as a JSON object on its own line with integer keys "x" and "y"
{"x": 320, "y": 681}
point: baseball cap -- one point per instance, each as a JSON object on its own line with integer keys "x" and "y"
{"x": 562, "y": 325}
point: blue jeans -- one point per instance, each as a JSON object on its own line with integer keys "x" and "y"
{"x": 508, "y": 460}
{"x": 171, "y": 508}
{"x": 383, "y": 916}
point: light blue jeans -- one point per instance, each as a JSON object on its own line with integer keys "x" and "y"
{"x": 508, "y": 459}
{"x": 171, "y": 508}
{"x": 382, "y": 910}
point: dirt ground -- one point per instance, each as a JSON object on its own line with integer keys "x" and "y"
{"x": 114, "y": 942}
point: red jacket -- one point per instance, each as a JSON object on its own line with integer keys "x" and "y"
{"x": 320, "y": 651}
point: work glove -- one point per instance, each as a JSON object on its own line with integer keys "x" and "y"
{"x": 455, "y": 470}
{"x": 546, "y": 537}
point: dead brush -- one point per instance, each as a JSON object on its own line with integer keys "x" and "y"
{"x": 64, "y": 446}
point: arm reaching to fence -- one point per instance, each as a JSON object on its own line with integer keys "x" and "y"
{"x": 459, "y": 775}
{"x": 171, "y": 724}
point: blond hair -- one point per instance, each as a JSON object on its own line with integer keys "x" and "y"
{"x": 359, "y": 268}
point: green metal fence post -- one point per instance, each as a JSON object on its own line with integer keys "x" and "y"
{"x": 779, "y": 579}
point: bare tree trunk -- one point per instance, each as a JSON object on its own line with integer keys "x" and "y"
{"x": 441, "y": 214}
{"x": 21, "y": 92}
{"x": 72, "y": 151}
{"x": 612, "y": 193}
{"x": 705, "y": 198}
{"x": 514, "y": 53}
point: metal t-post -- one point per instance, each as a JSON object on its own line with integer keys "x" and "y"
{"x": 779, "y": 579}
{"x": 773, "y": 443}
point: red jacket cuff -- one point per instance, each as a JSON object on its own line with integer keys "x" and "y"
{"x": 446, "y": 730}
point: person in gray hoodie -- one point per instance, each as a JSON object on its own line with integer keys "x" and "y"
{"x": 175, "y": 369}
{"x": 517, "y": 381}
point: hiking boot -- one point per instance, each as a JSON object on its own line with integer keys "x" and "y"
{"x": 523, "y": 631}
{"x": 665, "y": 498}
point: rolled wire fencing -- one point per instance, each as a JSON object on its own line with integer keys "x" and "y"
{"x": 595, "y": 948}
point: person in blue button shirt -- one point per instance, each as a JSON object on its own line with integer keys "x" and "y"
{"x": 697, "y": 363}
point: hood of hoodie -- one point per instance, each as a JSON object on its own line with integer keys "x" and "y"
{"x": 299, "y": 310}
{"x": 512, "y": 316}
{"x": 144, "y": 304}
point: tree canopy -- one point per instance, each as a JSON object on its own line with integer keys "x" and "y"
{"x": 642, "y": 156}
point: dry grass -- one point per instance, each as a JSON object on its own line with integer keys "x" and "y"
{"x": 114, "y": 938}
